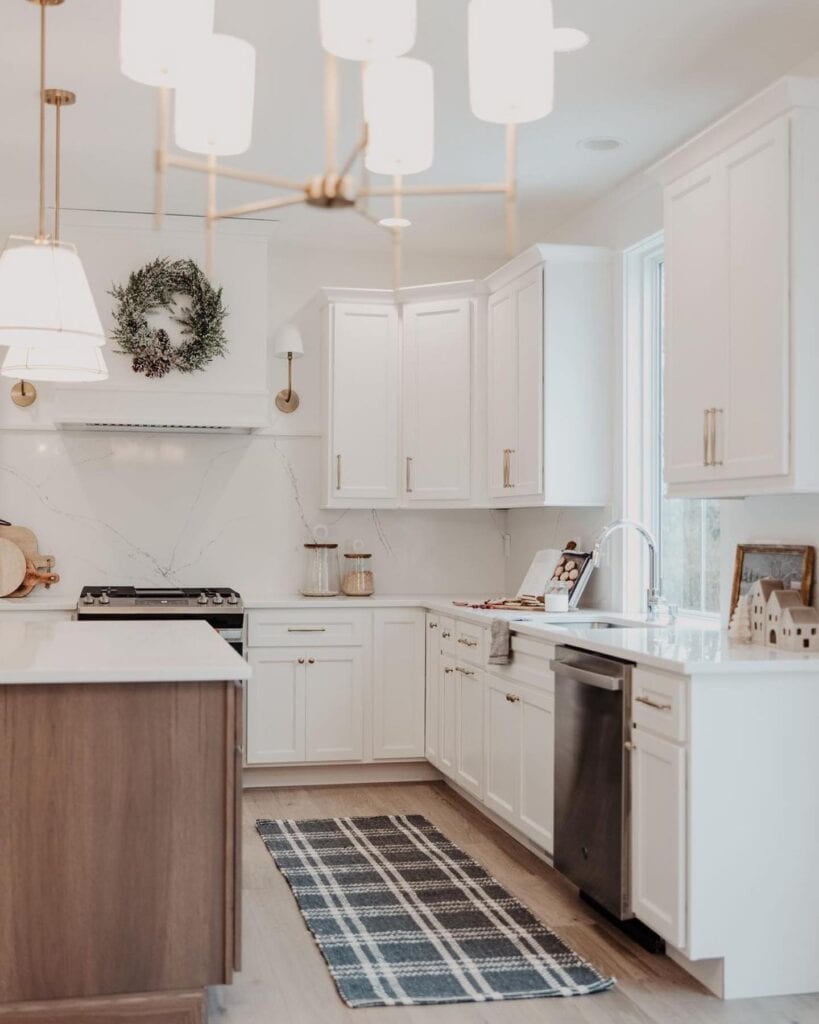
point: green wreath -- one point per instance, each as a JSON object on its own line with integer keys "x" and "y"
{"x": 154, "y": 287}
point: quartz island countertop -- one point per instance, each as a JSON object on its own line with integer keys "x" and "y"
{"x": 34, "y": 651}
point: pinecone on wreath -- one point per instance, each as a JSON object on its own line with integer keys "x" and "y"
{"x": 155, "y": 359}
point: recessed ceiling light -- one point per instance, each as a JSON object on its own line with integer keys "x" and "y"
{"x": 569, "y": 40}
{"x": 601, "y": 144}
{"x": 395, "y": 222}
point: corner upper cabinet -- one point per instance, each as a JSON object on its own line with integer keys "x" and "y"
{"x": 548, "y": 334}
{"x": 361, "y": 404}
{"x": 742, "y": 311}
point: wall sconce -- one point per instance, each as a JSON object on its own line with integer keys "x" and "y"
{"x": 287, "y": 344}
{"x": 23, "y": 394}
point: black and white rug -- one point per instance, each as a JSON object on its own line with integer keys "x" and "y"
{"x": 404, "y": 917}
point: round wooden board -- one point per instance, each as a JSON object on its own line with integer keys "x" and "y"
{"x": 12, "y": 567}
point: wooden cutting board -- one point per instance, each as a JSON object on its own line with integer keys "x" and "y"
{"x": 26, "y": 540}
{"x": 12, "y": 567}
{"x": 32, "y": 578}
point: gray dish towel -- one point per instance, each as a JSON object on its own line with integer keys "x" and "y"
{"x": 500, "y": 643}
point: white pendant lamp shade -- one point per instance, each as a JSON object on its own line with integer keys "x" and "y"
{"x": 399, "y": 111}
{"x": 368, "y": 29}
{"x": 214, "y": 97}
{"x": 511, "y": 60}
{"x": 45, "y": 300}
{"x": 287, "y": 341}
{"x": 156, "y": 36}
{"x": 77, "y": 364}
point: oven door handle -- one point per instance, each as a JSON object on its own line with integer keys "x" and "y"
{"x": 231, "y": 635}
{"x": 583, "y": 675}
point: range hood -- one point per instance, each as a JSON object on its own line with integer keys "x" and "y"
{"x": 98, "y": 408}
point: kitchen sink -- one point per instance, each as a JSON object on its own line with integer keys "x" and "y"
{"x": 601, "y": 624}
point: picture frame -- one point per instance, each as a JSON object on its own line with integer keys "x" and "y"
{"x": 792, "y": 563}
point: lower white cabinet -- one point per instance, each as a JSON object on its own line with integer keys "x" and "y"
{"x": 432, "y": 704}
{"x": 399, "y": 653}
{"x": 658, "y": 834}
{"x": 469, "y": 685}
{"x": 448, "y": 735}
{"x": 519, "y": 758}
{"x": 305, "y": 704}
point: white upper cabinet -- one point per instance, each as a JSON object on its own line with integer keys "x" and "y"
{"x": 742, "y": 315}
{"x": 547, "y": 382}
{"x": 362, "y": 412}
{"x": 437, "y": 361}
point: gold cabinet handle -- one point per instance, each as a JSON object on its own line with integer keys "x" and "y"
{"x": 338, "y": 472}
{"x": 512, "y": 698}
{"x": 306, "y": 629}
{"x": 433, "y": 625}
{"x": 448, "y": 671}
{"x": 311, "y": 661}
{"x": 511, "y": 453}
{"x": 465, "y": 671}
{"x": 409, "y": 475}
{"x": 505, "y": 467}
{"x": 446, "y": 634}
{"x": 706, "y": 438}
{"x": 301, "y": 661}
{"x": 653, "y": 704}
{"x": 466, "y": 642}
{"x": 714, "y": 448}
{"x": 629, "y": 746}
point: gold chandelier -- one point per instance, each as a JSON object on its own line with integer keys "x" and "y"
{"x": 170, "y": 44}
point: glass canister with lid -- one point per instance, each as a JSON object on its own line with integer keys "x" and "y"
{"x": 320, "y": 568}
{"x": 358, "y": 579}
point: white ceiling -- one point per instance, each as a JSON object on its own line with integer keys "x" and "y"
{"x": 656, "y": 72}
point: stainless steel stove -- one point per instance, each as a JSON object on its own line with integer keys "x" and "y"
{"x": 220, "y": 606}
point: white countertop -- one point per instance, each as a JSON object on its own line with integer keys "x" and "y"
{"x": 39, "y": 601}
{"x": 115, "y": 652}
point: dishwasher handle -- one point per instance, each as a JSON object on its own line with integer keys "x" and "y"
{"x": 601, "y": 680}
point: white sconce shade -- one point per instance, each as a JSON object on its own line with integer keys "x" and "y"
{"x": 214, "y": 97}
{"x": 368, "y": 29}
{"x": 399, "y": 109}
{"x": 569, "y": 40}
{"x": 77, "y": 364}
{"x": 45, "y": 300}
{"x": 511, "y": 60}
{"x": 156, "y": 37}
{"x": 287, "y": 341}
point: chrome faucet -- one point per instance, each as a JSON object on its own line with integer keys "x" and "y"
{"x": 656, "y": 607}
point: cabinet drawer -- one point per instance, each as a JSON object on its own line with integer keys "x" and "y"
{"x": 658, "y": 702}
{"x": 469, "y": 641}
{"x": 303, "y": 627}
{"x": 529, "y": 664}
{"x": 447, "y": 627}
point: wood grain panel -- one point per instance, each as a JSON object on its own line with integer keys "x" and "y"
{"x": 172, "y": 1008}
{"x": 114, "y": 847}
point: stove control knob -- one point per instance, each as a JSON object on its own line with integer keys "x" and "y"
{"x": 88, "y": 599}
{"x": 104, "y": 598}
{"x": 218, "y": 599}
{"x": 202, "y": 599}
{"x": 233, "y": 599}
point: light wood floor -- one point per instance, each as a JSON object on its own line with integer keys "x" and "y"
{"x": 285, "y": 981}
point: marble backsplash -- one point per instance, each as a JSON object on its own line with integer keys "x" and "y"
{"x": 190, "y": 510}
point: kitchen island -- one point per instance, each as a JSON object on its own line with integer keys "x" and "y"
{"x": 119, "y": 791}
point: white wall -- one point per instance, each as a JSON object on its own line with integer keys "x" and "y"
{"x": 230, "y": 510}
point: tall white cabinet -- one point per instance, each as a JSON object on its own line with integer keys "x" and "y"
{"x": 742, "y": 312}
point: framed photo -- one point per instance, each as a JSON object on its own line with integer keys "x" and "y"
{"x": 793, "y": 564}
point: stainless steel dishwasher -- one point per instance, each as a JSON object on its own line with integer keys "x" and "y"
{"x": 592, "y": 783}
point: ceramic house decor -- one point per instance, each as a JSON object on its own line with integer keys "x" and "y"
{"x": 799, "y": 630}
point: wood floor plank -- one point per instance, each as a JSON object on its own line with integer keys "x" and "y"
{"x": 285, "y": 979}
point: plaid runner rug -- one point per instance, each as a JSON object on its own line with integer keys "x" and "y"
{"x": 404, "y": 917}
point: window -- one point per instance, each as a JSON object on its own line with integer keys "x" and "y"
{"x": 687, "y": 530}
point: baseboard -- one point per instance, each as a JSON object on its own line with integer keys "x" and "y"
{"x": 339, "y": 774}
{"x": 150, "y": 1008}
{"x": 707, "y": 972}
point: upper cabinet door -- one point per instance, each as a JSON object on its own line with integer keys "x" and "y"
{"x": 753, "y": 425}
{"x": 515, "y": 388}
{"x": 363, "y": 415}
{"x": 437, "y": 400}
{"x": 697, "y": 309}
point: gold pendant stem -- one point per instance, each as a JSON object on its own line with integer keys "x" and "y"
{"x": 57, "y": 171}
{"x": 289, "y": 376}
{"x": 211, "y": 215}
{"x": 396, "y": 231}
{"x": 511, "y": 190}
{"x": 163, "y": 122}
{"x": 41, "y": 230}
{"x": 330, "y": 113}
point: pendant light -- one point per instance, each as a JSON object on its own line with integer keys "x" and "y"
{"x": 214, "y": 97}
{"x": 367, "y": 29}
{"x": 156, "y": 36}
{"x": 399, "y": 111}
{"x": 47, "y": 311}
{"x": 511, "y": 60}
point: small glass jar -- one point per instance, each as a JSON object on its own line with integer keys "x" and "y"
{"x": 320, "y": 570}
{"x": 556, "y": 598}
{"x": 358, "y": 579}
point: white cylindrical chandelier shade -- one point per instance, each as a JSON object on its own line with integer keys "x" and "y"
{"x": 368, "y": 29}
{"x": 399, "y": 109}
{"x": 77, "y": 364}
{"x": 511, "y": 60}
{"x": 156, "y": 37}
{"x": 45, "y": 300}
{"x": 214, "y": 97}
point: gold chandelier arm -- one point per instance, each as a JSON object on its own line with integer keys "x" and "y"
{"x": 163, "y": 129}
{"x": 362, "y": 212}
{"x": 258, "y": 207}
{"x": 235, "y": 173}
{"x": 512, "y": 242}
{"x": 359, "y": 148}
{"x": 330, "y": 113}
{"x": 479, "y": 188}
{"x": 41, "y": 230}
